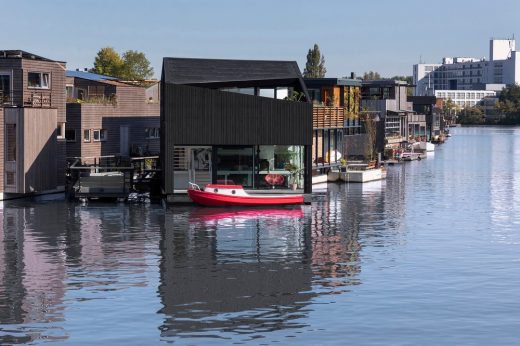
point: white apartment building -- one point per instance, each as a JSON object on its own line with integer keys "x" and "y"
{"x": 464, "y": 98}
{"x": 463, "y": 73}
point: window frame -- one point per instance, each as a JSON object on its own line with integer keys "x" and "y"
{"x": 41, "y": 74}
{"x": 85, "y": 138}
{"x": 152, "y": 133}
{"x": 102, "y": 135}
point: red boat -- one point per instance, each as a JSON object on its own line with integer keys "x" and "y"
{"x": 215, "y": 195}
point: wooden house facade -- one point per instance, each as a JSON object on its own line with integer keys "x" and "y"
{"x": 106, "y": 117}
{"x": 32, "y": 118}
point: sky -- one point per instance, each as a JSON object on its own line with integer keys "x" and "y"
{"x": 354, "y": 36}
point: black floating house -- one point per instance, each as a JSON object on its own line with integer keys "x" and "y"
{"x": 242, "y": 122}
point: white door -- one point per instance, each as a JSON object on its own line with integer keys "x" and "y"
{"x": 124, "y": 147}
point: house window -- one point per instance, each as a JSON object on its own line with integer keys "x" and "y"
{"x": 10, "y": 140}
{"x": 70, "y": 135}
{"x": 86, "y": 135}
{"x": 39, "y": 80}
{"x": 99, "y": 135}
{"x": 60, "y": 131}
{"x": 151, "y": 132}
{"x": 5, "y": 87}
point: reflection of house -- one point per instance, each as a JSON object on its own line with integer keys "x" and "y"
{"x": 388, "y": 98}
{"x": 107, "y": 117}
{"x": 207, "y": 285}
{"x": 32, "y": 117}
{"x": 234, "y": 121}
{"x": 336, "y": 104}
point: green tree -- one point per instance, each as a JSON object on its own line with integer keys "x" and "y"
{"x": 371, "y": 75}
{"x": 135, "y": 66}
{"x": 132, "y": 66}
{"x": 471, "y": 116}
{"x": 315, "y": 66}
{"x": 108, "y": 62}
{"x": 509, "y": 104}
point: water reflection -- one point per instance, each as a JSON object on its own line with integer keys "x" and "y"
{"x": 240, "y": 271}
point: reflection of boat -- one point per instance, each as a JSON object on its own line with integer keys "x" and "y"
{"x": 234, "y": 195}
{"x": 209, "y": 214}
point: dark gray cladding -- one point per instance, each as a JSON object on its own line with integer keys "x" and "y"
{"x": 200, "y": 116}
{"x": 203, "y": 71}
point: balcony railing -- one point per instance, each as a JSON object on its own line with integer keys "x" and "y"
{"x": 333, "y": 118}
{"x": 38, "y": 100}
{"x": 328, "y": 117}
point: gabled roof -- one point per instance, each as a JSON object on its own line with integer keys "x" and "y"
{"x": 206, "y": 71}
{"x": 21, "y": 54}
{"x": 89, "y": 76}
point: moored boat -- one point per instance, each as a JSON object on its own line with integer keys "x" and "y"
{"x": 234, "y": 195}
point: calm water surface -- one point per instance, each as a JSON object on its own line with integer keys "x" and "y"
{"x": 429, "y": 257}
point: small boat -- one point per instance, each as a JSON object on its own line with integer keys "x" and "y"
{"x": 216, "y": 195}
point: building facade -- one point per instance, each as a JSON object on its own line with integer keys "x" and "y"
{"x": 106, "y": 117}
{"x": 234, "y": 121}
{"x": 33, "y": 124}
{"x": 337, "y": 129}
{"x": 465, "y": 73}
{"x": 388, "y": 102}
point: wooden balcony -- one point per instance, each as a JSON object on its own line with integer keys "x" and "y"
{"x": 38, "y": 100}
{"x": 328, "y": 117}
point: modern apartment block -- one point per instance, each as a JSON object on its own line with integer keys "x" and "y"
{"x": 32, "y": 119}
{"x": 106, "y": 117}
{"x": 464, "y": 73}
{"x": 234, "y": 121}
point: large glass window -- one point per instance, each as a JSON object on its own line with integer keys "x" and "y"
{"x": 39, "y": 80}
{"x": 235, "y": 165}
{"x": 279, "y": 166}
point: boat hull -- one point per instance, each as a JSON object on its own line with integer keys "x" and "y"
{"x": 219, "y": 200}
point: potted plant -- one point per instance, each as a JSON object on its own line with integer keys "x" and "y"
{"x": 294, "y": 174}
{"x": 343, "y": 165}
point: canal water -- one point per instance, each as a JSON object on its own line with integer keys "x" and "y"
{"x": 431, "y": 256}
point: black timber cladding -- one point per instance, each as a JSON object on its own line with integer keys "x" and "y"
{"x": 208, "y": 71}
{"x": 199, "y": 116}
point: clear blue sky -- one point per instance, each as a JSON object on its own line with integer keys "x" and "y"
{"x": 379, "y": 35}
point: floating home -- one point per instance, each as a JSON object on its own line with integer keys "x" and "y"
{"x": 244, "y": 122}
{"x": 106, "y": 117}
{"x": 32, "y": 118}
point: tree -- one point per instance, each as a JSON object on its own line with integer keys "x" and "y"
{"x": 108, "y": 62}
{"x": 370, "y": 126}
{"x": 315, "y": 66}
{"x": 135, "y": 66}
{"x": 471, "y": 116}
{"x": 132, "y": 66}
{"x": 371, "y": 75}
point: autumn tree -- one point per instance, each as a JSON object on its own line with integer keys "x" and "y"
{"x": 108, "y": 62}
{"x": 133, "y": 65}
{"x": 315, "y": 66}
